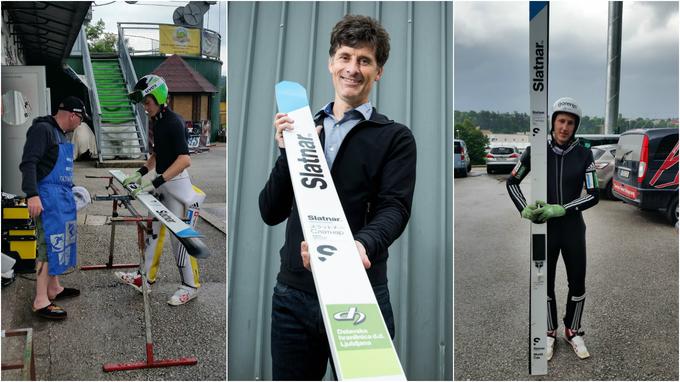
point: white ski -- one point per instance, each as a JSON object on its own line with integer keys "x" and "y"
{"x": 188, "y": 236}
{"x": 538, "y": 53}
{"x": 358, "y": 337}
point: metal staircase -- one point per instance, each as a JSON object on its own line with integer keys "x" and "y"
{"x": 119, "y": 135}
{"x": 119, "y": 129}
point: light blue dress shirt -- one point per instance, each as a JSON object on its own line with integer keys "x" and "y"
{"x": 335, "y": 131}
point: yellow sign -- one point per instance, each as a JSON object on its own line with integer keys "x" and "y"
{"x": 180, "y": 40}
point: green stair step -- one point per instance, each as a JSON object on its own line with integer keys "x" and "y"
{"x": 105, "y": 79}
{"x": 113, "y": 92}
{"x": 116, "y": 108}
{"x": 117, "y": 115}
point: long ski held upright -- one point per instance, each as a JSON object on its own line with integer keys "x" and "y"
{"x": 360, "y": 343}
{"x": 538, "y": 48}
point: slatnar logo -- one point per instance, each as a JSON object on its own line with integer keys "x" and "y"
{"x": 325, "y": 250}
{"x": 351, "y": 315}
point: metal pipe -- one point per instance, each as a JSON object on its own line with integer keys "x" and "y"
{"x": 243, "y": 120}
{"x": 405, "y": 266}
{"x": 130, "y": 76}
{"x": 611, "y": 111}
{"x": 311, "y": 50}
{"x": 142, "y": 23}
{"x": 280, "y": 59}
{"x": 92, "y": 90}
{"x": 376, "y": 92}
{"x": 445, "y": 174}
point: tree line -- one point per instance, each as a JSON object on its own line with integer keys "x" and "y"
{"x": 511, "y": 123}
{"x": 469, "y": 126}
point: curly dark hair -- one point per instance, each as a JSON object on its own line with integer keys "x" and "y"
{"x": 356, "y": 30}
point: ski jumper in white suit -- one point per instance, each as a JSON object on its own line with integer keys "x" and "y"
{"x": 177, "y": 194}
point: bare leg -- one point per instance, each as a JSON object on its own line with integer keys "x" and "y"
{"x": 53, "y": 287}
{"x": 41, "y": 284}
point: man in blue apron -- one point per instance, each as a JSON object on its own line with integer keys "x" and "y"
{"x": 47, "y": 178}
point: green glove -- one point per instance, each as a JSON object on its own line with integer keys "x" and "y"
{"x": 136, "y": 177}
{"x": 548, "y": 211}
{"x": 529, "y": 211}
{"x": 146, "y": 185}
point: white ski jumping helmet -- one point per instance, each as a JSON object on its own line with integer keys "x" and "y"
{"x": 153, "y": 85}
{"x": 566, "y": 105}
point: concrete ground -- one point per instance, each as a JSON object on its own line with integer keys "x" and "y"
{"x": 631, "y": 310}
{"x": 106, "y": 323}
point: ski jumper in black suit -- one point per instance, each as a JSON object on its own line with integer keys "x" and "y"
{"x": 570, "y": 168}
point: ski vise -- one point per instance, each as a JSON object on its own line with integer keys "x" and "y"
{"x": 117, "y": 200}
{"x": 143, "y": 227}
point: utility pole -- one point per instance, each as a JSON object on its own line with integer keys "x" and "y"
{"x": 611, "y": 112}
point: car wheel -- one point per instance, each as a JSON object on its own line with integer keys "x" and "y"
{"x": 464, "y": 172}
{"x": 672, "y": 211}
{"x": 608, "y": 191}
{"x": 489, "y": 170}
{"x": 469, "y": 167}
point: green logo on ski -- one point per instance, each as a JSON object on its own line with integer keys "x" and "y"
{"x": 362, "y": 341}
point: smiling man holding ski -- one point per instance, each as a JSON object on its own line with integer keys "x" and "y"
{"x": 373, "y": 162}
{"x": 570, "y": 167}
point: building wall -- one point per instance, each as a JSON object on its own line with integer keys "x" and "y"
{"x": 204, "y": 107}
{"x": 274, "y": 41}
{"x": 223, "y": 114}
{"x": 183, "y": 105}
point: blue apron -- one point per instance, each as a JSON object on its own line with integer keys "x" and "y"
{"x": 59, "y": 210}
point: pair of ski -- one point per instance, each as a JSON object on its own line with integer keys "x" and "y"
{"x": 186, "y": 235}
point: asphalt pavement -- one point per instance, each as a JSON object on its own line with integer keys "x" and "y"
{"x": 106, "y": 323}
{"x": 631, "y": 310}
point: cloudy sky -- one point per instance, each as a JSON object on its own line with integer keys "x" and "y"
{"x": 113, "y": 12}
{"x": 492, "y": 51}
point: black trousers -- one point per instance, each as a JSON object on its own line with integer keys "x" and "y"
{"x": 299, "y": 345}
{"x": 567, "y": 235}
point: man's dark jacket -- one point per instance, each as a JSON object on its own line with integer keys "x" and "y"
{"x": 41, "y": 151}
{"x": 374, "y": 173}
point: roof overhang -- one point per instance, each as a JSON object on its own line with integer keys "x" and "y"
{"x": 45, "y": 30}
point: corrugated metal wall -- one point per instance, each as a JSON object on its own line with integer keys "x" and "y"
{"x": 273, "y": 41}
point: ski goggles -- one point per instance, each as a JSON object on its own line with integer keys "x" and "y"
{"x": 136, "y": 96}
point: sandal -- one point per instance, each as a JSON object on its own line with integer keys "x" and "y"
{"x": 66, "y": 293}
{"x": 51, "y": 311}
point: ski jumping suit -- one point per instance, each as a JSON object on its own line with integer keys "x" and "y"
{"x": 568, "y": 169}
{"x": 177, "y": 194}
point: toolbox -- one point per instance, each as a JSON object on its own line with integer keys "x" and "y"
{"x": 19, "y": 237}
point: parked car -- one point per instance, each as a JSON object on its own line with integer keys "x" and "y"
{"x": 501, "y": 157}
{"x": 604, "y": 167}
{"x": 461, "y": 162}
{"x": 646, "y": 170}
{"x": 590, "y": 140}
{"x": 521, "y": 147}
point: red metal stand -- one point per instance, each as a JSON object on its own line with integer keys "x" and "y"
{"x": 150, "y": 362}
{"x": 109, "y": 264}
{"x": 143, "y": 226}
